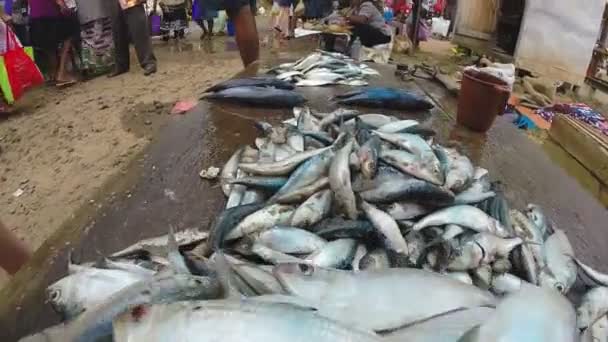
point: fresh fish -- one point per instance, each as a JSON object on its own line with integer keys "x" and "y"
{"x": 376, "y": 120}
{"x": 82, "y": 290}
{"x": 272, "y": 256}
{"x": 594, "y": 305}
{"x": 462, "y": 277}
{"x": 387, "y": 228}
{"x": 537, "y": 216}
{"x": 409, "y": 190}
{"x": 313, "y": 210}
{"x": 475, "y": 193}
{"x": 360, "y": 252}
{"x": 531, "y": 233}
{"x": 464, "y": 216}
{"x": 272, "y": 215}
{"x": 416, "y": 246}
{"x": 259, "y": 279}
{"x": 264, "y": 183}
{"x": 290, "y": 76}
{"x": 531, "y": 314}
{"x": 406, "y": 210}
{"x": 338, "y": 228}
{"x": 256, "y": 321}
{"x": 507, "y": 283}
{"x": 307, "y": 122}
{"x": 397, "y": 126}
{"x": 237, "y": 191}
{"x": 410, "y": 164}
{"x": 301, "y": 194}
{"x": 368, "y": 157}
{"x": 253, "y": 197}
{"x": 321, "y": 137}
{"x": 284, "y": 151}
{"x": 459, "y": 173}
{"x": 596, "y": 277}
{"x": 468, "y": 256}
{"x": 97, "y": 322}
{"x": 374, "y": 260}
{"x": 598, "y": 332}
{"x": 339, "y": 115}
{"x": 339, "y": 181}
{"x": 229, "y": 171}
{"x": 226, "y": 222}
{"x": 291, "y": 240}
{"x": 157, "y": 245}
{"x": 388, "y": 98}
{"x": 451, "y": 231}
{"x": 257, "y": 81}
{"x": 378, "y": 300}
{"x": 256, "y": 96}
{"x": 335, "y": 254}
{"x": 280, "y": 168}
{"x": 306, "y": 174}
{"x": 494, "y": 246}
{"x": 560, "y": 270}
{"x": 411, "y": 143}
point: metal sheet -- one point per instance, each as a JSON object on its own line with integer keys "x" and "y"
{"x": 557, "y": 37}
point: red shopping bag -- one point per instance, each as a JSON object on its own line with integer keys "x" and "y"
{"x": 21, "y": 71}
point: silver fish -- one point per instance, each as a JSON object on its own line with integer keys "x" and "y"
{"x": 261, "y": 280}
{"x": 291, "y": 240}
{"x": 97, "y": 322}
{"x": 410, "y": 142}
{"x": 465, "y": 216}
{"x": 229, "y": 170}
{"x": 387, "y": 227}
{"x": 339, "y": 181}
{"x": 475, "y": 193}
{"x": 406, "y": 211}
{"x": 280, "y": 168}
{"x": 368, "y": 157}
{"x": 307, "y": 122}
{"x": 313, "y": 210}
{"x": 531, "y": 233}
{"x": 410, "y": 164}
{"x": 596, "y": 277}
{"x": 335, "y": 254}
{"x": 272, "y": 256}
{"x": 252, "y": 196}
{"x": 598, "y": 332}
{"x": 236, "y": 192}
{"x": 397, "y": 126}
{"x": 157, "y": 245}
{"x": 256, "y": 321}
{"x": 536, "y": 215}
{"x": 337, "y": 116}
{"x": 376, "y": 120}
{"x": 378, "y": 300}
{"x": 507, "y": 283}
{"x": 460, "y": 172}
{"x": 594, "y": 305}
{"x": 531, "y": 314}
{"x": 412, "y": 189}
{"x": 451, "y": 231}
{"x": 463, "y": 277}
{"x": 265, "y": 218}
{"x": 560, "y": 270}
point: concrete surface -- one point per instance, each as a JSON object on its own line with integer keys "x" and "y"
{"x": 163, "y": 187}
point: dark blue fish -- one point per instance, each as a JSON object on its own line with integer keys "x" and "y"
{"x": 272, "y": 184}
{"x": 380, "y": 97}
{"x": 257, "y": 81}
{"x": 257, "y": 96}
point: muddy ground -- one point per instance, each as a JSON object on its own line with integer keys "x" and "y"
{"x": 61, "y": 145}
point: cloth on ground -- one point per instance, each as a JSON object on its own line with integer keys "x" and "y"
{"x": 579, "y": 111}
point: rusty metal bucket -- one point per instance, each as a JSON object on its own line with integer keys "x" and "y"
{"x": 482, "y": 97}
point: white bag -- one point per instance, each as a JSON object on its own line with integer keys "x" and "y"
{"x": 219, "y": 23}
{"x": 440, "y": 27}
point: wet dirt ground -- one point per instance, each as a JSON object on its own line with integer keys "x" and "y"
{"x": 161, "y": 187}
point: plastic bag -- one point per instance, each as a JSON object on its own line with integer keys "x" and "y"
{"x": 18, "y": 72}
{"x": 219, "y": 23}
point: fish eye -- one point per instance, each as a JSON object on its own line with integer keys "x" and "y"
{"x": 305, "y": 269}
{"x": 560, "y": 287}
{"x": 55, "y": 295}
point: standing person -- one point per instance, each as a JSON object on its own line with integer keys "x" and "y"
{"x": 97, "y": 45}
{"x": 203, "y": 12}
{"x": 174, "y": 19}
{"x": 368, "y": 24}
{"x": 13, "y": 252}
{"x": 51, "y": 24}
{"x": 451, "y": 7}
{"x": 129, "y": 19}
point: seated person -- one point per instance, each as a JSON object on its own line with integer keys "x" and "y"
{"x": 368, "y": 24}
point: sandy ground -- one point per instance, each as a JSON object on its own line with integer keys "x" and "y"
{"x": 60, "y": 146}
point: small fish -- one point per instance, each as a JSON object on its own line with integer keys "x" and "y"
{"x": 406, "y": 210}
{"x": 459, "y": 173}
{"x": 411, "y": 143}
{"x": 594, "y": 305}
{"x": 388, "y": 98}
{"x": 397, "y": 126}
{"x": 376, "y": 120}
{"x": 253, "y": 197}
{"x": 368, "y": 157}
{"x": 506, "y": 283}
{"x": 376, "y": 259}
{"x": 560, "y": 270}
{"x": 226, "y": 222}
{"x": 451, "y": 231}
{"x": 408, "y": 190}
{"x": 531, "y": 233}
{"x": 335, "y": 254}
{"x": 257, "y": 81}
{"x": 259, "y": 279}
{"x": 411, "y": 164}
{"x": 536, "y": 215}
{"x": 339, "y": 181}
{"x": 265, "y": 218}
{"x": 264, "y": 183}
{"x": 272, "y": 256}
{"x": 236, "y": 192}
{"x": 387, "y": 228}
{"x": 338, "y": 115}
{"x": 475, "y": 193}
{"x": 280, "y": 168}
{"x": 255, "y": 96}
{"x": 157, "y": 245}
{"x": 313, "y": 210}
{"x": 301, "y": 194}
{"x": 339, "y": 228}
{"x": 307, "y": 122}
{"x": 291, "y": 240}
{"x": 464, "y": 216}
{"x": 229, "y": 171}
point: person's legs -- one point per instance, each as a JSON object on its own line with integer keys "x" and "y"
{"x": 210, "y": 24}
{"x": 369, "y": 35}
{"x": 63, "y": 76}
{"x": 137, "y": 22}
{"x": 246, "y": 34}
{"x": 13, "y": 253}
{"x": 121, "y": 41}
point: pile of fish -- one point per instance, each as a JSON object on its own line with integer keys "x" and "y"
{"x": 343, "y": 226}
{"x": 323, "y": 68}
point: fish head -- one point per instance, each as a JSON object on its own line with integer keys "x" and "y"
{"x": 432, "y": 167}
{"x": 548, "y": 280}
{"x": 62, "y": 298}
{"x": 305, "y": 280}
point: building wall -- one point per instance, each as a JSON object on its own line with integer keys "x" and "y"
{"x": 477, "y": 18}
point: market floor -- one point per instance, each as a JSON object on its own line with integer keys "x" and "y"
{"x": 61, "y": 145}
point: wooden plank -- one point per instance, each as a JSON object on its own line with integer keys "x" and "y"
{"x": 582, "y": 146}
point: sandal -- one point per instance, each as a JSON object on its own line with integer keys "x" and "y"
{"x": 65, "y": 84}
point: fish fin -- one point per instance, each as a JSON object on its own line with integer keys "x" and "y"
{"x": 470, "y": 336}
{"x": 175, "y": 258}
